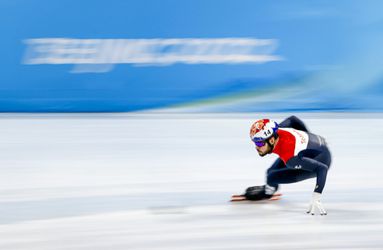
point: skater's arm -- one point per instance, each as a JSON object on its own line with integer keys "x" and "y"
{"x": 321, "y": 171}
{"x": 293, "y": 122}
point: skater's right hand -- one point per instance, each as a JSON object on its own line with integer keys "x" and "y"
{"x": 315, "y": 203}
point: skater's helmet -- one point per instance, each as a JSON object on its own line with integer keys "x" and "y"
{"x": 262, "y": 130}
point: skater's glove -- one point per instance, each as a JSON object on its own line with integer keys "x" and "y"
{"x": 315, "y": 203}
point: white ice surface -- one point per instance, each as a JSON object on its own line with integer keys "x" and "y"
{"x": 157, "y": 181}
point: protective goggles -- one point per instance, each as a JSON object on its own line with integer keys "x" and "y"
{"x": 259, "y": 143}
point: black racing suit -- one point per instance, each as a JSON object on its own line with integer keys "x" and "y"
{"x": 312, "y": 162}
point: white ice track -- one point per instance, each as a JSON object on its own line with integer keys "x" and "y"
{"x": 154, "y": 181}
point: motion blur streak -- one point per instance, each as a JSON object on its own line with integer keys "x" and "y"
{"x": 149, "y": 51}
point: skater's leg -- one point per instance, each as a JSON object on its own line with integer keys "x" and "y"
{"x": 315, "y": 162}
{"x": 277, "y": 165}
{"x": 286, "y": 176}
{"x": 308, "y": 164}
{"x": 274, "y": 177}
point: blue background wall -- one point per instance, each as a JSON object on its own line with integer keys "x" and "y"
{"x": 329, "y": 56}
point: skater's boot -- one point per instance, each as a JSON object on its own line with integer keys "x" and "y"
{"x": 259, "y": 192}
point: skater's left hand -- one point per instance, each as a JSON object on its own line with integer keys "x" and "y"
{"x": 316, "y": 203}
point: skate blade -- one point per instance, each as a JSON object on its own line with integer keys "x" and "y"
{"x": 275, "y": 197}
{"x": 235, "y": 198}
{"x": 238, "y": 198}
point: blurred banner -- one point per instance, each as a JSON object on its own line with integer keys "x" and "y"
{"x": 191, "y": 56}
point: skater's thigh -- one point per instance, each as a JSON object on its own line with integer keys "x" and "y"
{"x": 322, "y": 155}
{"x": 287, "y": 175}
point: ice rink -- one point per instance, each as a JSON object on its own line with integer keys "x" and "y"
{"x": 163, "y": 181}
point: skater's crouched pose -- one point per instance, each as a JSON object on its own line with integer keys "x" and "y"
{"x": 302, "y": 155}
